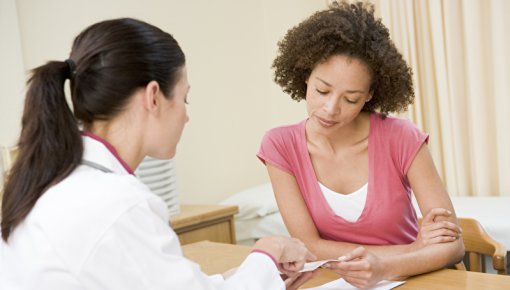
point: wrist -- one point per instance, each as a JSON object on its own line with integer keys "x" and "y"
{"x": 387, "y": 266}
{"x": 270, "y": 245}
{"x": 268, "y": 255}
{"x": 393, "y": 267}
{"x": 414, "y": 246}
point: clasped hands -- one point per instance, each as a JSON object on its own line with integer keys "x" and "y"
{"x": 435, "y": 229}
{"x": 362, "y": 268}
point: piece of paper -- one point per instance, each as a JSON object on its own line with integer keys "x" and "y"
{"x": 341, "y": 284}
{"x": 314, "y": 265}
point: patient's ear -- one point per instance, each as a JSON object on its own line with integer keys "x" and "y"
{"x": 370, "y": 95}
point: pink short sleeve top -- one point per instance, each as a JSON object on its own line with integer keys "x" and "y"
{"x": 388, "y": 217}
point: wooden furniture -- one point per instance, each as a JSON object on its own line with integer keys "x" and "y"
{"x": 216, "y": 258}
{"x": 205, "y": 222}
{"x": 490, "y": 211}
{"x": 478, "y": 243}
{"x": 8, "y": 155}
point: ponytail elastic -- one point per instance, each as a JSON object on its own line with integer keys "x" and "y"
{"x": 71, "y": 68}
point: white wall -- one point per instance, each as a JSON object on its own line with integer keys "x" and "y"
{"x": 11, "y": 74}
{"x": 229, "y": 45}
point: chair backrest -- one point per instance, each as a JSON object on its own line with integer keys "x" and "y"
{"x": 478, "y": 243}
{"x": 7, "y": 157}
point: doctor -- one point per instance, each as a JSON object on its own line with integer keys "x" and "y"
{"x": 73, "y": 214}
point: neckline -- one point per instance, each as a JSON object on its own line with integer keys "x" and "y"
{"x": 110, "y": 148}
{"x": 343, "y": 194}
{"x": 321, "y": 197}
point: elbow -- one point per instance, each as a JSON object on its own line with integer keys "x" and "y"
{"x": 458, "y": 254}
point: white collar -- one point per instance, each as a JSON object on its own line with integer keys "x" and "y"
{"x": 101, "y": 153}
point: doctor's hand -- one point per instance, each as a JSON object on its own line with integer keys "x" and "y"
{"x": 290, "y": 253}
{"x": 436, "y": 229}
{"x": 293, "y": 283}
{"x": 359, "y": 268}
{"x": 229, "y": 273}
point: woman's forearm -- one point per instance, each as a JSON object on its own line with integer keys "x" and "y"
{"x": 326, "y": 249}
{"x": 423, "y": 260}
{"x": 400, "y": 260}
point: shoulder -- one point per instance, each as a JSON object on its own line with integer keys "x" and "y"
{"x": 123, "y": 191}
{"x": 400, "y": 138}
{"x": 392, "y": 122}
{"x": 396, "y": 128}
{"x": 95, "y": 184}
{"x": 91, "y": 201}
{"x": 74, "y": 214}
{"x": 284, "y": 133}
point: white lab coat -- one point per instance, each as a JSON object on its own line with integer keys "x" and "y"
{"x": 99, "y": 230}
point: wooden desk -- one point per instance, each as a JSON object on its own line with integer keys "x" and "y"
{"x": 205, "y": 222}
{"x": 216, "y": 258}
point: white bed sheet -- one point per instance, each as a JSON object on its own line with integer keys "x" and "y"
{"x": 248, "y": 231}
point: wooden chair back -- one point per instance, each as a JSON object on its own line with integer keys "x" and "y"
{"x": 7, "y": 157}
{"x": 478, "y": 243}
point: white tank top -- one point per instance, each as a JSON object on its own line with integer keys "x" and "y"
{"x": 348, "y": 206}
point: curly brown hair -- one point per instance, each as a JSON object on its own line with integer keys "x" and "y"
{"x": 345, "y": 29}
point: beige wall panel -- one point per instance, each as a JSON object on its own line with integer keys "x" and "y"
{"x": 229, "y": 46}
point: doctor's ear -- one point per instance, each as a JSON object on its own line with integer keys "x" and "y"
{"x": 151, "y": 96}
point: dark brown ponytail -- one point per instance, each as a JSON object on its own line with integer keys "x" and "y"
{"x": 110, "y": 60}
{"x": 50, "y": 145}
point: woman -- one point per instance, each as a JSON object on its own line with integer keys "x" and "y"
{"x": 73, "y": 214}
{"x": 343, "y": 177}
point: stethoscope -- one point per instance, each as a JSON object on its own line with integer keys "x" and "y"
{"x": 96, "y": 166}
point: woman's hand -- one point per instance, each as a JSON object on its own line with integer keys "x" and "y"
{"x": 359, "y": 268}
{"x": 435, "y": 229}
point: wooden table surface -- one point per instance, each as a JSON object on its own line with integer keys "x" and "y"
{"x": 193, "y": 214}
{"x": 217, "y": 258}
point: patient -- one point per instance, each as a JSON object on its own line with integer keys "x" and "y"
{"x": 343, "y": 177}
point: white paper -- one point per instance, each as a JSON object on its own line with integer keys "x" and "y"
{"x": 341, "y": 284}
{"x": 314, "y": 265}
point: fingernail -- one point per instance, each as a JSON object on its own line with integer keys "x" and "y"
{"x": 342, "y": 258}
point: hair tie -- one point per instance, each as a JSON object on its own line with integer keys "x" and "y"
{"x": 71, "y": 68}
